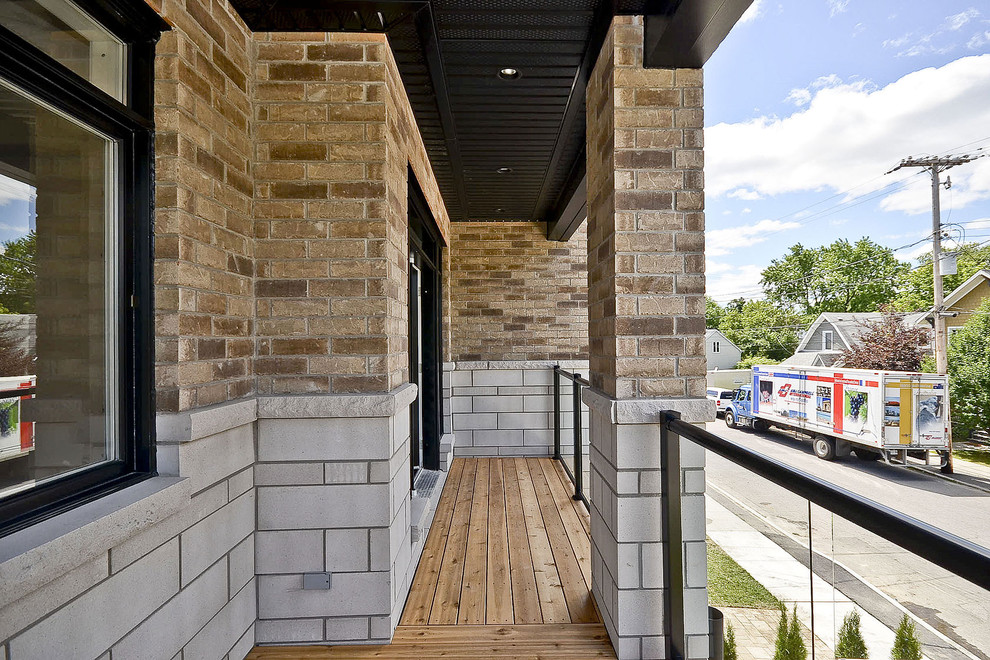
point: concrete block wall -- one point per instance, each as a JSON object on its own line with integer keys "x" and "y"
{"x": 505, "y": 408}
{"x": 333, "y": 496}
{"x": 161, "y": 569}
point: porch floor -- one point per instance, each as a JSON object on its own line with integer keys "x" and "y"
{"x": 505, "y": 573}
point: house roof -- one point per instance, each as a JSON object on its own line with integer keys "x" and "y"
{"x": 813, "y": 359}
{"x": 715, "y": 332}
{"x": 850, "y": 325}
{"x": 964, "y": 289}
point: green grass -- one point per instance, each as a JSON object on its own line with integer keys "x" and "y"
{"x": 730, "y": 585}
{"x": 976, "y": 456}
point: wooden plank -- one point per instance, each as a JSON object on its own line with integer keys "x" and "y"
{"x": 522, "y": 577}
{"x": 576, "y": 532}
{"x": 473, "y": 591}
{"x": 552, "y": 602}
{"x": 499, "y": 598}
{"x": 446, "y": 600}
{"x": 463, "y": 643}
{"x": 576, "y": 592}
{"x": 420, "y": 600}
{"x": 577, "y": 505}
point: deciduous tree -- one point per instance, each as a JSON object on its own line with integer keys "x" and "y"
{"x": 969, "y": 373}
{"x": 916, "y": 288}
{"x": 18, "y": 274}
{"x": 888, "y": 344}
{"x": 759, "y": 328}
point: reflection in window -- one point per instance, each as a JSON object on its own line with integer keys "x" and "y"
{"x": 67, "y": 34}
{"x": 57, "y": 258}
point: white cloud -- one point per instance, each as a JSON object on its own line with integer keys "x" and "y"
{"x": 837, "y": 6}
{"x": 746, "y": 210}
{"x": 745, "y": 194}
{"x": 719, "y": 242}
{"x": 851, "y": 133}
{"x": 799, "y": 96}
{"x": 751, "y": 14}
{"x": 957, "y": 21}
{"x": 724, "y": 282}
{"x": 978, "y": 40}
{"x": 970, "y": 183}
{"x": 13, "y": 190}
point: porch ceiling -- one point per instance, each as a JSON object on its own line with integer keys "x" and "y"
{"x": 473, "y": 122}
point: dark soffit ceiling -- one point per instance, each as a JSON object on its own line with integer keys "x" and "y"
{"x": 473, "y": 123}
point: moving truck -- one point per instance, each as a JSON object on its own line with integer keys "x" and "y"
{"x": 870, "y": 413}
{"x": 16, "y": 436}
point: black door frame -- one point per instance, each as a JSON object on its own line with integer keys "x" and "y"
{"x": 425, "y": 242}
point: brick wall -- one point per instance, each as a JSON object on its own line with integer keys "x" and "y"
{"x": 515, "y": 295}
{"x": 334, "y": 136}
{"x": 646, "y": 223}
{"x": 204, "y": 248}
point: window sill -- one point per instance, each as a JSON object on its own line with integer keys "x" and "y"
{"x": 33, "y": 557}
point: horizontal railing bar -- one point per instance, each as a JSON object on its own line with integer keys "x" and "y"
{"x": 569, "y": 376}
{"x": 953, "y": 553}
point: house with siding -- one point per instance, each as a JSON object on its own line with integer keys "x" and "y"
{"x": 303, "y": 271}
{"x": 833, "y": 332}
{"x": 961, "y": 303}
{"x": 720, "y": 352}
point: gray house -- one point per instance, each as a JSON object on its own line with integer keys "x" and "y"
{"x": 833, "y": 332}
{"x": 720, "y": 351}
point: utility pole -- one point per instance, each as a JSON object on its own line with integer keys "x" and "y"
{"x": 935, "y": 166}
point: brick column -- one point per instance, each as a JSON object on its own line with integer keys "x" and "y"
{"x": 646, "y": 327}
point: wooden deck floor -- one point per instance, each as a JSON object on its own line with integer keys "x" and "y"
{"x": 505, "y": 573}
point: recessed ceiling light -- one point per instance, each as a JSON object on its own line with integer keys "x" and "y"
{"x": 504, "y": 170}
{"x": 508, "y": 73}
{"x": 500, "y": 210}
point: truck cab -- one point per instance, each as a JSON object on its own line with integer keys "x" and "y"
{"x": 739, "y": 411}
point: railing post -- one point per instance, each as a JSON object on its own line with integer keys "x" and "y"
{"x": 670, "y": 521}
{"x": 556, "y": 412}
{"x": 578, "y": 463}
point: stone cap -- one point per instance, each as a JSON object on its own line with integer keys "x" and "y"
{"x": 647, "y": 411}
{"x": 337, "y": 405}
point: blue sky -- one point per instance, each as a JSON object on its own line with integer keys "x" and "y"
{"x": 809, "y": 102}
{"x": 15, "y": 209}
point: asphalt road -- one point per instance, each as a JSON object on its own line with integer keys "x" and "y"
{"x": 867, "y": 568}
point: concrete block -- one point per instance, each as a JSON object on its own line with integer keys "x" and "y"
{"x": 216, "y": 535}
{"x": 240, "y": 483}
{"x": 540, "y": 403}
{"x": 342, "y": 629}
{"x": 640, "y": 612}
{"x": 522, "y": 421}
{"x": 289, "y": 630}
{"x": 695, "y": 612}
{"x": 352, "y": 594}
{"x": 638, "y": 519}
{"x": 628, "y": 569}
{"x": 525, "y": 451}
{"x": 460, "y": 379}
{"x": 42, "y": 602}
{"x": 653, "y": 559}
{"x": 320, "y": 507}
{"x": 525, "y": 390}
{"x": 379, "y": 472}
{"x": 289, "y": 552}
{"x": 87, "y": 626}
{"x": 346, "y": 550}
{"x": 381, "y": 627}
{"x": 696, "y": 565}
{"x": 534, "y": 437}
{"x": 288, "y": 474}
{"x": 241, "y": 564}
{"x": 223, "y": 631}
{"x": 637, "y": 446}
{"x": 694, "y": 481}
{"x": 483, "y": 404}
{"x": 497, "y": 377}
{"x": 476, "y": 391}
{"x": 327, "y": 439}
{"x": 538, "y": 377}
{"x": 345, "y": 473}
{"x": 211, "y": 459}
{"x": 244, "y": 645}
{"x": 166, "y": 631}
{"x": 461, "y": 404}
{"x": 498, "y": 439}
{"x": 465, "y": 421}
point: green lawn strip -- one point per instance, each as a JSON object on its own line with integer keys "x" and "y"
{"x": 730, "y": 585}
{"x": 975, "y": 456}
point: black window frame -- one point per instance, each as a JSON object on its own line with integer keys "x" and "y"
{"x": 132, "y": 125}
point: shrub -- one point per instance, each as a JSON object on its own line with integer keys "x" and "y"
{"x": 790, "y": 644}
{"x": 729, "y": 647}
{"x": 906, "y": 643}
{"x": 851, "y": 644}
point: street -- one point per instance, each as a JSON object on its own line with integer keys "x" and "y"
{"x": 864, "y": 564}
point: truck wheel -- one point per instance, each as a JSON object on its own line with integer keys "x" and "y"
{"x": 864, "y": 454}
{"x": 761, "y": 425}
{"x": 730, "y": 419}
{"x": 824, "y": 447}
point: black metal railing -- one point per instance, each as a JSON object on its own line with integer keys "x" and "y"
{"x": 580, "y": 460}
{"x": 952, "y": 553}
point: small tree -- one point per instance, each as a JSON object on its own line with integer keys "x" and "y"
{"x": 14, "y": 360}
{"x": 851, "y": 644}
{"x": 969, "y": 373}
{"x": 888, "y": 344}
{"x": 906, "y": 643}
{"x": 790, "y": 644}
{"x": 729, "y": 647}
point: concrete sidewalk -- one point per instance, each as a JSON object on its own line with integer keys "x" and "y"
{"x": 788, "y": 581}
{"x": 968, "y": 473}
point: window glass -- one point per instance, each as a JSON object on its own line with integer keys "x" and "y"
{"x": 67, "y": 34}
{"x": 58, "y": 221}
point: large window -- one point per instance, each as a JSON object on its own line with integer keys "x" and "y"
{"x": 75, "y": 215}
